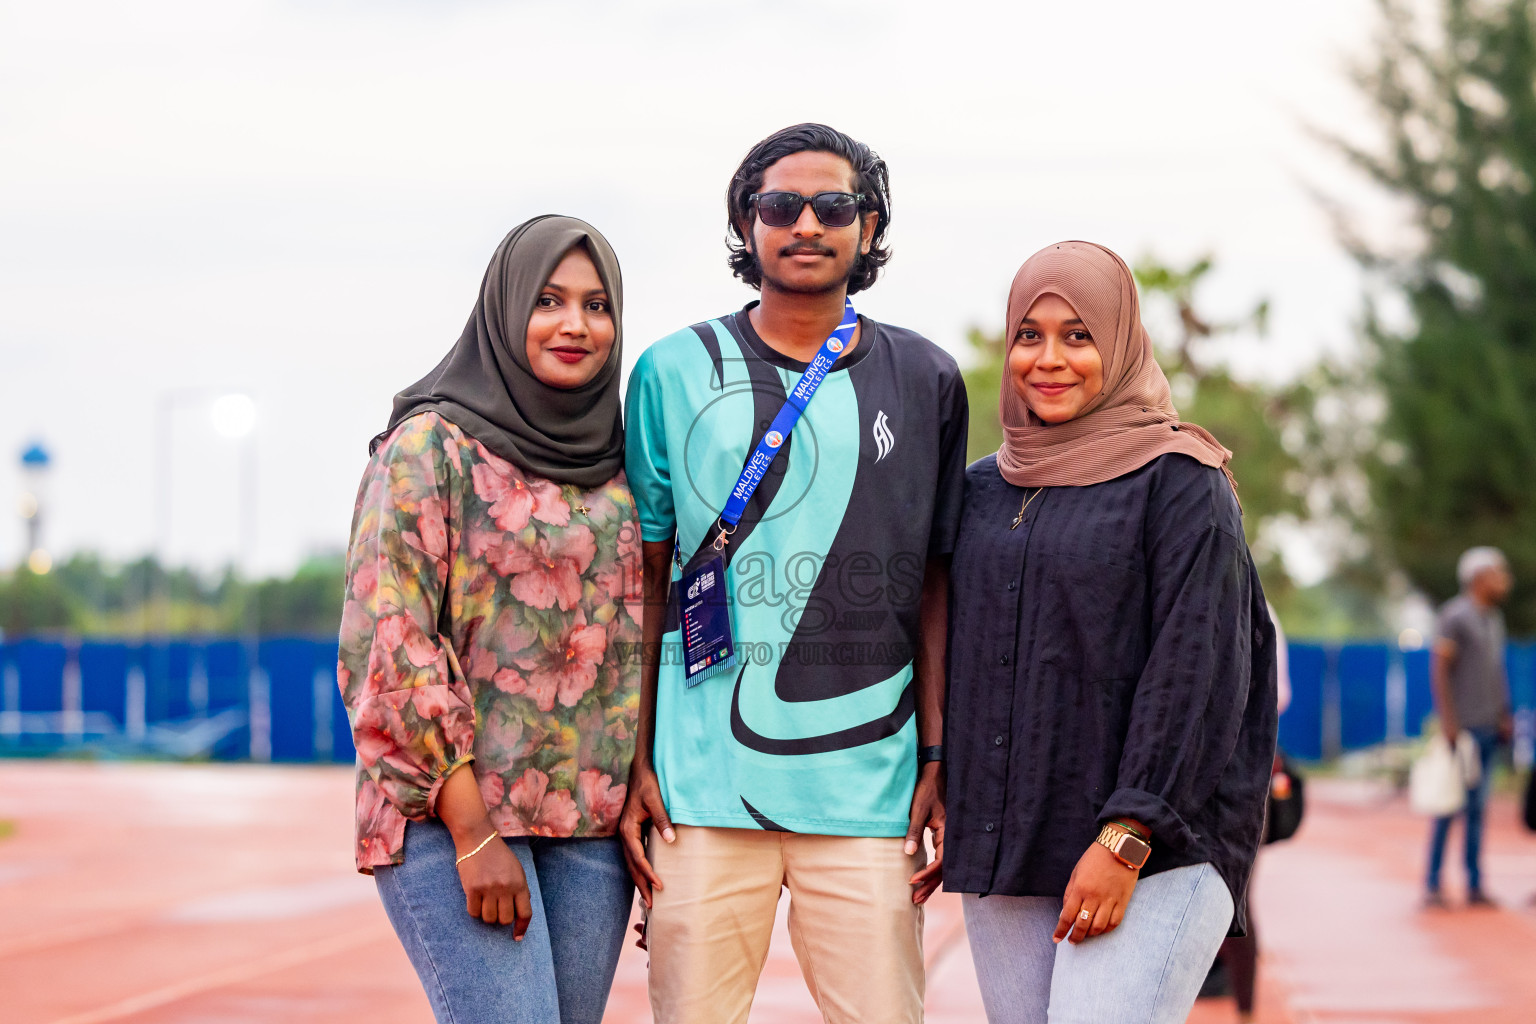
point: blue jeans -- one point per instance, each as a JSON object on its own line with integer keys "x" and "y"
{"x": 473, "y": 972}
{"x": 1487, "y": 745}
{"x": 1147, "y": 971}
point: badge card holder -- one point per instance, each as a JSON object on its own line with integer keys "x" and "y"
{"x": 709, "y": 644}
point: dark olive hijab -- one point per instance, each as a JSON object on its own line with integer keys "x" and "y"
{"x": 486, "y": 387}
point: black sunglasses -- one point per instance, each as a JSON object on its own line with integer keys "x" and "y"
{"x": 781, "y": 209}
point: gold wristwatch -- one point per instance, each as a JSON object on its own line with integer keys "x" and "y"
{"x": 1130, "y": 850}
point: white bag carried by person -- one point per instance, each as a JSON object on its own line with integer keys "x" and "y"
{"x": 1440, "y": 778}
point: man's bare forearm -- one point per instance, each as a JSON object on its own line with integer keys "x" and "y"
{"x": 657, "y": 557}
{"x": 933, "y": 638}
{"x": 1440, "y": 661}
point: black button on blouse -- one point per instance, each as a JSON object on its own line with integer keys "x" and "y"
{"x": 1141, "y": 683}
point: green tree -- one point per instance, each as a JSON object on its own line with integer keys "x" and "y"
{"x": 1456, "y": 460}
{"x": 308, "y": 602}
{"x": 35, "y": 603}
{"x": 1247, "y": 417}
{"x": 983, "y": 383}
{"x": 1270, "y": 428}
{"x": 88, "y": 595}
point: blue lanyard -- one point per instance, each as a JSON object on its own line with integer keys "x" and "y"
{"x": 789, "y": 415}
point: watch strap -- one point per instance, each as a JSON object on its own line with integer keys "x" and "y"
{"x": 926, "y": 754}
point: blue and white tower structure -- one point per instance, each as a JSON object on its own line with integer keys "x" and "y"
{"x": 35, "y": 464}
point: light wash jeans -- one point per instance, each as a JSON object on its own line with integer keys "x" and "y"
{"x": 473, "y": 972}
{"x": 1147, "y": 971}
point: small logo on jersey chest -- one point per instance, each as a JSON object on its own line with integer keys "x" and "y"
{"x": 884, "y": 439}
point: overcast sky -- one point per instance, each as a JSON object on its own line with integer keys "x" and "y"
{"x": 298, "y": 199}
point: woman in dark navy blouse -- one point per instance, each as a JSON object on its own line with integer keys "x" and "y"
{"x": 1111, "y": 720}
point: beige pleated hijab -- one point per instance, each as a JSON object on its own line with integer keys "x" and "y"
{"x": 1132, "y": 421}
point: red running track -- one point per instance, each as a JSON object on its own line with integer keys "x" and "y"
{"x": 176, "y": 894}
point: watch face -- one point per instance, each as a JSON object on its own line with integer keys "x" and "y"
{"x": 1132, "y": 850}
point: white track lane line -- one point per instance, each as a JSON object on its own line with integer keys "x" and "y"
{"x": 229, "y": 976}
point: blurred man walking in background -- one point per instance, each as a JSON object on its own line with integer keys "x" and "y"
{"x": 1471, "y": 693}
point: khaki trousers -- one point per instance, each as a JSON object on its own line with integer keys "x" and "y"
{"x": 855, "y": 931}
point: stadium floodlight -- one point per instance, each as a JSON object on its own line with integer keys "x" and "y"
{"x": 233, "y": 415}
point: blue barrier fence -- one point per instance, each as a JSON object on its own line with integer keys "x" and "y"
{"x": 1355, "y": 695}
{"x": 277, "y": 699}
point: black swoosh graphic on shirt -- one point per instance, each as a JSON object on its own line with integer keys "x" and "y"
{"x": 766, "y": 823}
{"x": 853, "y": 736}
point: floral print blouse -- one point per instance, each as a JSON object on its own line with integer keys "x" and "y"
{"x": 491, "y": 616}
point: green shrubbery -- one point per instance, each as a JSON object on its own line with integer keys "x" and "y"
{"x": 88, "y": 596}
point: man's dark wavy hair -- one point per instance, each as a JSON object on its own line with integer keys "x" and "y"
{"x": 870, "y": 177}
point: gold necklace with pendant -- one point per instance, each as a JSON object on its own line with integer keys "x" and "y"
{"x": 1025, "y": 507}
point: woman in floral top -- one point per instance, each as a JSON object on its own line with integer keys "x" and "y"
{"x": 488, "y": 642}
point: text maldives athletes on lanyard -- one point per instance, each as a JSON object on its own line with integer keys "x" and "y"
{"x": 708, "y": 643}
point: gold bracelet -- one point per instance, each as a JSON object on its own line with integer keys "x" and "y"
{"x": 483, "y": 844}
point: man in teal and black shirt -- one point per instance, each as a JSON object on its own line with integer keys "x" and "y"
{"x": 800, "y": 764}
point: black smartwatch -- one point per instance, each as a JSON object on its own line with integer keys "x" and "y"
{"x": 926, "y": 754}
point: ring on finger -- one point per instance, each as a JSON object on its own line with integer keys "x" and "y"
{"x": 1085, "y": 916}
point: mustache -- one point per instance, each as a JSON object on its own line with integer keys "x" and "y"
{"x": 810, "y": 248}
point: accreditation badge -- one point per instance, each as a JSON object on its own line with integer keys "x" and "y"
{"x": 708, "y": 646}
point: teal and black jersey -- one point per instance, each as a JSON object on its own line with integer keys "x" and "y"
{"x": 814, "y": 729}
